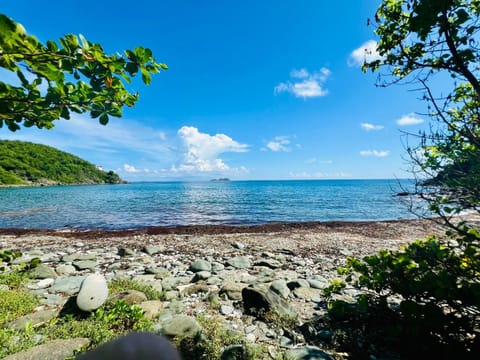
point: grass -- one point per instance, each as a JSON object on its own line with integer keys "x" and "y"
{"x": 122, "y": 284}
{"x": 114, "y": 319}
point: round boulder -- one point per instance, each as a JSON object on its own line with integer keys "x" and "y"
{"x": 93, "y": 292}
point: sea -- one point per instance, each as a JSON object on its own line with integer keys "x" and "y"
{"x": 167, "y": 204}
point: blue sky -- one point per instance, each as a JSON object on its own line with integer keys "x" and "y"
{"x": 255, "y": 90}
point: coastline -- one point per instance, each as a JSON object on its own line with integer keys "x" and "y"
{"x": 304, "y": 236}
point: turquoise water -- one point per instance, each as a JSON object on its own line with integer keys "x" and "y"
{"x": 141, "y": 205}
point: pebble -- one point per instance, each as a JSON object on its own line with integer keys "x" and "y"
{"x": 287, "y": 281}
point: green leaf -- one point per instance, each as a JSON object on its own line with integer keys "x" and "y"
{"x": 146, "y": 77}
{"x": 103, "y": 119}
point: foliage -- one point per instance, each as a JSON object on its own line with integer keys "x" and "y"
{"x": 213, "y": 341}
{"x": 8, "y": 256}
{"x": 28, "y": 163}
{"x": 118, "y": 285}
{"x": 113, "y": 320}
{"x": 424, "y": 300}
{"x": 71, "y": 75}
{"x": 121, "y": 316}
{"x": 16, "y": 275}
{"x": 15, "y": 303}
{"x": 419, "y": 39}
{"x": 13, "y": 341}
{"x": 436, "y": 285}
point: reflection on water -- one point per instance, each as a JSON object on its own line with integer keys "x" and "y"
{"x": 195, "y": 203}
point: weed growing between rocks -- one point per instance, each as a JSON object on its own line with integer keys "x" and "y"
{"x": 217, "y": 341}
{"x": 13, "y": 341}
{"x": 119, "y": 285}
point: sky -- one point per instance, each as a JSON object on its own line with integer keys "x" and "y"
{"x": 256, "y": 90}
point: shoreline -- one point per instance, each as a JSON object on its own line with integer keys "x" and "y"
{"x": 310, "y": 239}
{"x": 220, "y": 229}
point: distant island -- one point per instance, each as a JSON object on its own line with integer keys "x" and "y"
{"x": 24, "y": 163}
{"x": 221, "y": 179}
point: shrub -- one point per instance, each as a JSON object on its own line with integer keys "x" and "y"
{"x": 436, "y": 284}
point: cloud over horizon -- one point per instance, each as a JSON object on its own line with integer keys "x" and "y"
{"x": 201, "y": 151}
{"x": 305, "y": 84}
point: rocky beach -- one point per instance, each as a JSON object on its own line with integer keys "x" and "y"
{"x": 235, "y": 274}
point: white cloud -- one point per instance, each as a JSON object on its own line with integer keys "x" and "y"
{"x": 315, "y": 160}
{"x": 371, "y": 127}
{"x": 299, "y": 74}
{"x": 84, "y": 133}
{"x": 202, "y": 150}
{"x": 376, "y": 153}
{"x": 305, "y": 84}
{"x": 130, "y": 169}
{"x": 366, "y": 53}
{"x": 409, "y": 119}
{"x": 279, "y": 144}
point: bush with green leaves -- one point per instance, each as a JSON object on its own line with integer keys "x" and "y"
{"x": 418, "y": 300}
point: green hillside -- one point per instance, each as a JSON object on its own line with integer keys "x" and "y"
{"x": 25, "y": 163}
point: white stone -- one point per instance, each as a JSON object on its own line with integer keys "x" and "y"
{"x": 42, "y": 284}
{"x": 93, "y": 292}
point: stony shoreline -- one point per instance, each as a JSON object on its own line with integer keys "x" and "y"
{"x": 193, "y": 265}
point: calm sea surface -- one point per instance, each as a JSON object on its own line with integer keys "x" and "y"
{"x": 196, "y": 203}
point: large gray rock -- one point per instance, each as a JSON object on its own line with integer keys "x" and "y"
{"x": 259, "y": 300}
{"x": 35, "y": 319}
{"x": 308, "y": 353}
{"x": 69, "y": 285}
{"x": 180, "y": 325}
{"x": 93, "y": 293}
{"x": 239, "y": 262}
{"x": 169, "y": 283}
{"x": 59, "y": 349}
{"x": 151, "y": 308}
{"x": 85, "y": 264}
{"x": 232, "y": 289}
{"x": 77, "y": 256}
{"x": 131, "y": 297}
{"x": 308, "y": 294}
{"x": 201, "y": 265}
{"x": 65, "y": 269}
{"x": 201, "y": 275}
{"x": 42, "y": 271}
{"x": 318, "y": 284}
{"x": 152, "y": 249}
{"x": 280, "y": 287}
{"x": 270, "y": 263}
